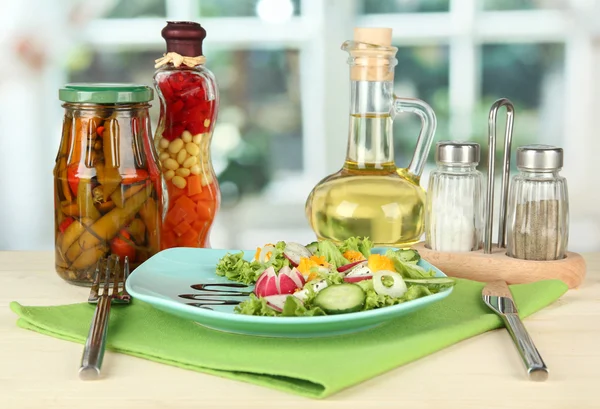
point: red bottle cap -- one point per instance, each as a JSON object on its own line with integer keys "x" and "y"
{"x": 184, "y": 38}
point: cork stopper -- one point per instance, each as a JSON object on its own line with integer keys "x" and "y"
{"x": 373, "y": 35}
{"x": 184, "y": 38}
{"x": 373, "y": 54}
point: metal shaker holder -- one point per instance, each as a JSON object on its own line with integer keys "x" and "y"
{"x": 492, "y": 263}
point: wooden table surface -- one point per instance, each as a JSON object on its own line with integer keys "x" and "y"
{"x": 38, "y": 371}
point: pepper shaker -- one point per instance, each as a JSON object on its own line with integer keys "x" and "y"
{"x": 454, "y": 212}
{"x": 538, "y": 206}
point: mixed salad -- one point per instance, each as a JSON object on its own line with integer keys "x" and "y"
{"x": 324, "y": 278}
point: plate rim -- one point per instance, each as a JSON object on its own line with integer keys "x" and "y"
{"x": 284, "y": 321}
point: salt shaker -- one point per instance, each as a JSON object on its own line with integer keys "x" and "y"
{"x": 454, "y": 212}
{"x": 538, "y": 205}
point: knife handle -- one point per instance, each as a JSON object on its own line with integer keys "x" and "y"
{"x": 536, "y": 368}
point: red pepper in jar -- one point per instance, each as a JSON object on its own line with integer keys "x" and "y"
{"x": 65, "y": 224}
{"x": 122, "y": 246}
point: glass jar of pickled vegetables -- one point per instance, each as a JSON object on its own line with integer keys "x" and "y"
{"x": 189, "y": 100}
{"x": 107, "y": 185}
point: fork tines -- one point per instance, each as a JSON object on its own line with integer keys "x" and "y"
{"x": 105, "y": 267}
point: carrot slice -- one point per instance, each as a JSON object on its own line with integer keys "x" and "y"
{"x": 194, "y": 185}
{"x": 174, "y": 191}
{"x": 186, "y": 204}
{"x": 189, "y": 238}
{"x": 182, "y": 228}
{"x": 204, "y": 210}
{"x": 183, "y": 209}
{"x": 169, "y": 240}
{"x": 175, "y": 216}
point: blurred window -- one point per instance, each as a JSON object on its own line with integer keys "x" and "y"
{"x": 284, "y": 84}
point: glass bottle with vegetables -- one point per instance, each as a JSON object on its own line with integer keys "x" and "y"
{"x": 370, "y": 196}
{"x": 189, "y": 101}
{"x": 107, "y": 182}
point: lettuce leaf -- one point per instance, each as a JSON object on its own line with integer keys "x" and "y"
{"x": 331, "y": 253}
{"x": 255, "y": 306}
{"x": 363, "y": 245}
{"x": 407, "y": 269}
{"x": 235, "y": 268}
{"x": 374, "y": 300}
{"x": 332, "y": 278}
{"x": 293, "y": 307}
{"x": 408, "y": 255}
{"x": 277, "y": 260}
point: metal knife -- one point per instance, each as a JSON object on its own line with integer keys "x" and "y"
{"x": 498, "y": 297}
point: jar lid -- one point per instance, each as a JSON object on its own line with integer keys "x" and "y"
{"x": 539, "y": 157}
{"x": 455, "y": 152}
{"x": 101, "y": 93}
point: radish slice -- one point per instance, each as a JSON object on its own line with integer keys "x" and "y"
{"x": 358, "y": 273}
{"x": 356, "y": 279}
{"x": 346, "y": 267}
{"x": 396, "y": 290}
{"x": 267, "y": 283}
{"x": 260, "y": 280}
{"x": 294, "y": 252}
{"x": 277, "y": 301}
{"x": 295, "y": 275}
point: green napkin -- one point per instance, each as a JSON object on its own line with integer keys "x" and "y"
{"x": 315, "y": 367}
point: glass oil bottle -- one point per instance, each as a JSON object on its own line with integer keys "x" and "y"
{"x": 370, "y": 196}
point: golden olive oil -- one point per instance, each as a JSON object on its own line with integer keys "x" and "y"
{"x": 368, "y": 196}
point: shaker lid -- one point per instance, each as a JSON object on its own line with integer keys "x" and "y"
{"x": 184, "y": 38}
{"x": 539, "y": 157}
{"x": 103, "y": 93}
{"x": 455, "y": 152}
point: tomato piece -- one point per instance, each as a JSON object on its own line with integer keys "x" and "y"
{"x": 122, "y": 248}
{"x": 65, "y": 224}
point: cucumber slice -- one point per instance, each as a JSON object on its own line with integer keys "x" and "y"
{"x": 341, "y": 298}
{"x": 312, "y": 247}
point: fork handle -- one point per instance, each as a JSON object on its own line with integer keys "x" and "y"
{"x": 536, "y": 368}
{"x": 93, "y": 352}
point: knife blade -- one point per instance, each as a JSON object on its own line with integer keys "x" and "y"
{"x": 498, "y": 297}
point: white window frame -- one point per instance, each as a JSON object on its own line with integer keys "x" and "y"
{"x": 324, "y": 24}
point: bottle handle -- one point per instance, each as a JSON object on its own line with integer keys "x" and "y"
{"x": 425, "y": 139}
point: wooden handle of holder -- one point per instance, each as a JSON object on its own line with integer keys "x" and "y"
{"x": 477, "y": 266}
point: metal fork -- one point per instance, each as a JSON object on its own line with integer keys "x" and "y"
{"x": 93, "y": 352}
